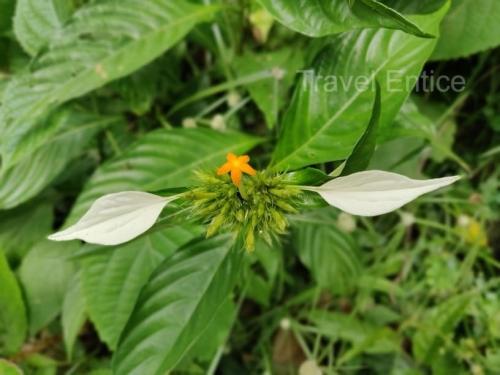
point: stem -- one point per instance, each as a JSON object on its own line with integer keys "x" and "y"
{"x": 251, "y": 78}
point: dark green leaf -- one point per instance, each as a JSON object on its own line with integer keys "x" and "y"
{"x": 113, "y": 277}
{"x": 306, "y": 176}
{"x": 322, "y": 17}
{"x": 13, "y": 324}
{"x": 364, "y": 149}
{"x": 181, "y": 299}
{"x": 332, "y": 102}
{"x": 103, "y": 41}
{"x": 6, "y": 13}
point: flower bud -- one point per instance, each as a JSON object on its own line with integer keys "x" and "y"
{"x": 278, "y": 73}
{"x": 233, "y": 99}
{"x": 407, "y": 219}
{"x": 346, "y": 223}
{"x": 218, "y": 123}
{"x": 309, "y": 367}
{"x": 189, "y": 123}
{"x": 285, "y": 324}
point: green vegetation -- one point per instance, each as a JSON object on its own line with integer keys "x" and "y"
{"x": 118, "y": 121}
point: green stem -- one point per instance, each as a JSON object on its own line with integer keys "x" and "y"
{"x": 251, "y": 78}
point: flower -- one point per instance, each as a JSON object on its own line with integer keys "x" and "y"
{"x": 260, "y": 208}
{"x": 236, "y": 165}
{"x": 471, "y": 230}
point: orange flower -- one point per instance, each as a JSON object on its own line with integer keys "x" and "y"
{"x": 236, "y": 165}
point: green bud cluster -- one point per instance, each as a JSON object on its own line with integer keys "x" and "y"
{"x": 257, "y": 208}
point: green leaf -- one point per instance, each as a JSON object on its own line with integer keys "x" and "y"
{"x": 45, "y": 273}
{"x": 6, "y": 12}
{"x": 104, "y": 41}
{"x": 331, "y": 255}
{"x": 160, "y": 160}
{"x": 436, "y": 324}
{"x": 332, "y": 103}
{"x": 306, "y": 176}
{"x": 45, "y": 152}
{"x": 22, "y": 227}
{"x": 9, "y": 368}
{"x": 270, "y": 95}
{"x": 73, "y": 313}
{"x": 471, "y": 26}
{"x": 13, "y": 324}
{"x": 364, "y": 149}
{"x": 410, "y": 122}
{"x": 36, "y": 22}
{"x": 318, "y": 18}
{"x": 181, "y": 299}
{"x": 215, "y": 335}
{"x": 113, "y": 277}
{"x": 364, "y": 336}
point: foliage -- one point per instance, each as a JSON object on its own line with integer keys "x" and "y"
{"x": 121, "y": 96}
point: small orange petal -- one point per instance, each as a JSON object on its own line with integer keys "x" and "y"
{"x": 224, "y": 169}
{"x": 231, "y": 157}
{"x": 244, "y": 159}
{"x": 248, "y": 169}
{"x": 236, "y": 176}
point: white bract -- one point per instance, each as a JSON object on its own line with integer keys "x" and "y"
{"x": 116, "y": 218}
{"x": 120, "y": 217}
{"x": 373, "y": 193}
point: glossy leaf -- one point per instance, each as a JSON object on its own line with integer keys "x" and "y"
{"x": 13, "y": 324}
{"x": 306, "y": 176}
{"x": 160, "y": 160}
{"x": 331, "y": 255}
{"x": 45, "y": 273}
{"x": 471, "y": 26}
{"x": 102, "y": 42}
{"x": 364, "y": 149}
{"x": 44, "y": 153}
{"x": 332, "y": 103}
{"x": 113, "y": 277}
{"x": 321, "y": 17}
{"x": 36, "y": 22}
{"x": 182, "y": 297}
